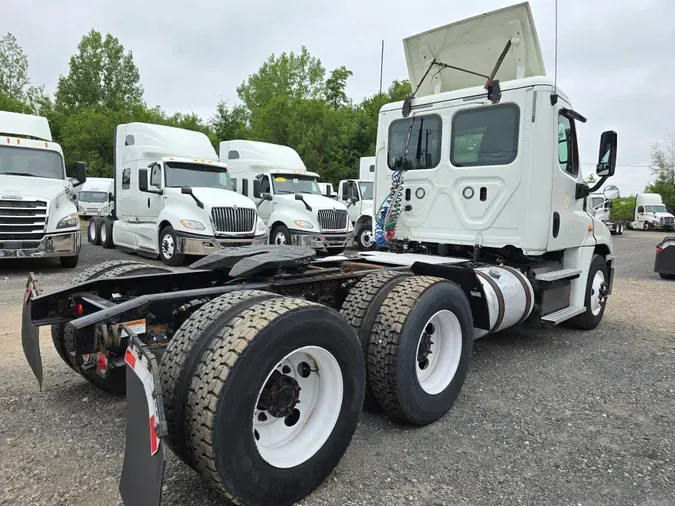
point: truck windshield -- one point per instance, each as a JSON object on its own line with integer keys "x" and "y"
{"x": 197, "y": 175}
{"x": 366, "y": 190}
{"x": 92, "y": 196}
{"x": 295, "y": 184}
{"x": 31, "y": 162}
{"x": 659, "y": 208}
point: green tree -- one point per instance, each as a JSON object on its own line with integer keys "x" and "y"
{"x": 14, "y": 79}
{"x": 663, "y": 167}
{"x": 591, "y": 179}
{"x": 229, "y": 124}
{"x": 336, "y": 86}
{"x": 100, "y": 73}
{"x": 623, "y": 208}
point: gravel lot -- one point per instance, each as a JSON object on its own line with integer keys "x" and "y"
{"x": 555, "y": 417}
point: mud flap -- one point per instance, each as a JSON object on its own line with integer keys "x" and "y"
{"x": 30, "y": 334}
{"x": 144, "y": 459}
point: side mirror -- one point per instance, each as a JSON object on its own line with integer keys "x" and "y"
{"x": 354, "y": 200}
{"x": 234, "y": 183}
{"x": 298, "y": 196}
{"x": 186, "y": 190}
{"x": 256, "y": 188}
{"x": 81, "y": 172}
{"x": 267, "y": 196}
{"x": 328, "y": 193}
{"x": 111, "y": 197}
{"x": 607, "y": 155}
{"x": 143, "y": 180}
{"x": 611, "y": 192}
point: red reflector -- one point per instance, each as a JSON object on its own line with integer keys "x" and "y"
{"x": 80, "y": 309}
{"x": 102, "y": 362}
{"x": 659, "y": 250}
{"x": 130, "y": 359}
{"x": 154, "y": 440}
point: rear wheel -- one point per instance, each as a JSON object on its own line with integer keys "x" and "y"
{"x": 168, "y": 248}
{"x": 596, "y": 295}
{"x": 106, "y": 233}
{"x": 94, "y": 231}
{"x": 301, "y": 368}
{"x": 420, "y": 349}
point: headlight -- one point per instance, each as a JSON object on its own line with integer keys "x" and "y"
{"x": 69, "y": 221}
{"x": 192, "y": 224}
{"x": 261, "y": 225}
{"x": 303, "y": 224}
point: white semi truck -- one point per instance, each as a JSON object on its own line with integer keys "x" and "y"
{"x": 287, "y": 195}
{"x": 96, "y": 197}
{"x": 599, "y": 204}
{"x": 173, "y": 197}
{"x": 483, "y": 213}
{"x": 357, "y": 195}
{"x": 38, "y": 218}
{"x": 651, "y": 213}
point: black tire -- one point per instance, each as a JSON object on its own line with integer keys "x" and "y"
{"x": 393, "y": 350}
{"x": 646, "y": 226}
{"x": 184, "y": 352}
{"x": 92, "y": 273}
{"x": 106, "y": 233}
{"x": 94, "y": 231}
{"x": 361, "y": 237}
{"x": 361, "y": 306}
{"x": 281, "y": 230}
{"x": 115, "y": 382}
{"x": 587, "y": 320}
{"x": 335, "y": 251}
{"x": 224, "y": 389}
{"x": 621, "y": 229}
{"x": 69, "y": 262}
{"x": 170, "y": 256}
{"x": 667, "y": 276}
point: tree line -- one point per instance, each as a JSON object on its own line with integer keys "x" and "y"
{"x": 292, "y": 100}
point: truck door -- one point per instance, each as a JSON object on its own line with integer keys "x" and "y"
{"x": 266, "y": 208}
{"x": 570, "y": 224}
{"x": 151, "y": 204}
{"x": 351, "y": 190}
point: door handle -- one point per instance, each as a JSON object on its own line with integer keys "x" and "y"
{"x": 148, "y": 202}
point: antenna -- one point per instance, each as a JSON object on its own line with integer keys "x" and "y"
{"x": 381, "y": 71}
{"x": 554, "y": 97}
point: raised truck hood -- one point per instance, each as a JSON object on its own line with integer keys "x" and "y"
{"x": 475, "y": 44}
{"x": 26, "y": 186}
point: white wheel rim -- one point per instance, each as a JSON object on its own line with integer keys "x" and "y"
{"x": 367, "y": 239}
{"x": 286, "y": 442}
{"x": 596, "y": 304}
{"x": 167, "y": 246}
{"x": 104, "y": 233}
{"x": 280, "y": 238}
{"x": 437, "y": 370}
{"x": 92, "y": 230}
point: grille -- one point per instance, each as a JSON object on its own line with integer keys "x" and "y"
{"x": 667, "y": 221}
{"x": 332, "y": 219}
{"x": 22, "y": 219}
{"x": 233, "y": 220}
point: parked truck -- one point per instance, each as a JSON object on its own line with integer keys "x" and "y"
{"x": 96, "y": 197}
{"x": 173, "y": 197}
{"x": 287, "y": 195}
{"x": 267, "y": 352}
{"x": 38, "y": 218}
{"x": 651, "y": 213}
{"x": 600, "y": 205}
{"x": 357, "y": 195}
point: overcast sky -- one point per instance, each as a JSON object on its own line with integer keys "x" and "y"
{"x": 616, "y": 63}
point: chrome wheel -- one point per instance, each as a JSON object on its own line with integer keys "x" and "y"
{"x": 439, "y": 351}
{"x": 168, "y": 246}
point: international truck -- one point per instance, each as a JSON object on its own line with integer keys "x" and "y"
{"x": 287, "y": 195}
{"x": 173, "y": 197}
{"x": 96, "y": 197}
{"x": 357, "y": 195}
{"x": 600, "y": 204}
{"x": 38, "y": 218}
{"x": 651, "y": 213}
{"x": 268, "y": 352}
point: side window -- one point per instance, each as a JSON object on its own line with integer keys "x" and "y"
{"x": 424, "y": 147}
{"x": 567, "y": 146}
{"x": 264, "y": 185}
{"x": 126, "y": 179}
{"x": 641, "y": 210}
{"x": 244, "y": 187}
{"x": 156, "y": 176}
{"x": 485, "y": 136}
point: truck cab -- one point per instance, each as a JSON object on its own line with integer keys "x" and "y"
{"x": 287, "y": 195}
{"x": 483, "y": 162}
{"x": 651, "y": 213}
{"x": 174, "y": 198}
{"x": 96, "y": 197}
{"x": 357, "y": 195}
{"x": 38, "y": 217}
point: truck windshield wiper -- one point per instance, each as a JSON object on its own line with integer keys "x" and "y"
{"x": 18, "y": 174}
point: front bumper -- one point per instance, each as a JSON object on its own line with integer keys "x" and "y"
{"x": 52, "y": 245}
{"x": 202, "y": 245}
{"x": 323, "y": 240}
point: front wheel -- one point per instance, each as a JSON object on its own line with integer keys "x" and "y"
{"x": 365, "y": 239}
{"x": 280, "y": 235}
{"x": 646, "y": 226}
{"x": 168, "y": 248}
{"x": 596, "y": 295}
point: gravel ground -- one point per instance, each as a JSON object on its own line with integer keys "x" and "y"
{"x": 555, "y": 417}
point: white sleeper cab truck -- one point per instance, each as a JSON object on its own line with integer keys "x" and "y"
{"x": 96, "y": 197}
{"x": 173, "y": 198}
{"x": 266, "y": 353}
{"x": 651, "y": 213}
{"x": 600, "y": 205}
{"x": 357, "y": 195}
{"x": 288, "y": 196}
{"x": 38, "y": 217}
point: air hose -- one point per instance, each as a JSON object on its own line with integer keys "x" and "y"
{"x": 389, "y": 211}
